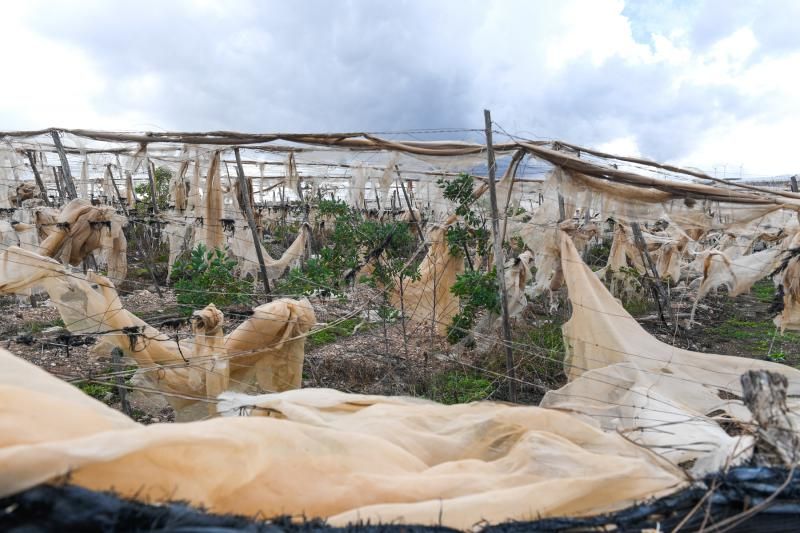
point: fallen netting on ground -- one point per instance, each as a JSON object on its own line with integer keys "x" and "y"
{"x": 72, "y": 508}
{"x": 670, "y": 400}
{"x": 333, "y": 455}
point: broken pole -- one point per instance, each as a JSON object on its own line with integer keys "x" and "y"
{"x": 248, "y": 210}
{"x": 498, "y": 261}
{"x": 777, "y": 442}
{"x": 122, "y": 201}
{"x": 562, "y": 212}
{"x": 38, "y": 178}
{"x": 151, "y": 178}
{"x": 408, "y": 203}
{"x": 662, "y": 298}
{"x": 69, "y": 186}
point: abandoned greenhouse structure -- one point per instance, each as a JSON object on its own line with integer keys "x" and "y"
{"x": 338, "y": 329}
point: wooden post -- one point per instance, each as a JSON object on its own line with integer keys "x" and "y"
{"x": 248, "y": 209}
{"x": 151, "y": 177}
{"x": 58, "y": 185}
{"x": 69, "y": 186}
{"x": 498, "y": 261}
{"x": 408, "y": 203}
{"x": 562, "y": 213}
{"x": 122, "y": 392}
{"x": 794, "y": 183}
{"x": 122, "y": 201}
{"x": 38, "y": 178}
{"x": 764, "y": 394}
{"x": 662, "y": 298}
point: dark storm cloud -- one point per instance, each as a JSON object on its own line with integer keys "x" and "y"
{"x": 394, "y": 65}
{"x": 269, "y": 66}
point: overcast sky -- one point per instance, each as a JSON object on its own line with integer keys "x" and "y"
{"x": 713, "y": 84}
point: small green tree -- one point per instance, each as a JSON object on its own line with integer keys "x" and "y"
{"x": 162, "y": 178}
{"x": 207, "y": 276}
{"x": 477, "y": 291}
{"x": 352, "y": 236}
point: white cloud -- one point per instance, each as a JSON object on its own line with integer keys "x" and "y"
{"x": 705, "y": 83}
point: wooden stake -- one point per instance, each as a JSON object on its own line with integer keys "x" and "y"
{"x": 408, "y": 203}
{"x": 58, "y": 185}
{"x": 662, "y": 298}
{"x": 777, "y": 442}
{"x": 793, "y": 180}
{"x": 498, "y": 261}
{"x": 120, "y": 199}
{"x": 122, "y": 392}
{"x": 248, "y": 209}
{"x": 562, "y": 213}
{"x": 151, "y": 178}
{"x": 38, "y": 178}
{"x": 69, "y": 186}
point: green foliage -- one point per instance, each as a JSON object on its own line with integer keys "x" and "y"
{"x": 162, "y": 178}
{"x": 38, "y": 327}
{"x": 352, "y": 237}
{"x": 458, "y": 387}
{"x": 96, "y": 390}
{"x": 477, "y": 291}
{"x": 472, "y": 232}
{"x": 207, "y": 276}
{"x": 597, "y": 255}
{"x": 777, "y": 357}
{"x": 332, "y": 333}
{"x": 637, "y": 306}
{"x": 764, "y": 290}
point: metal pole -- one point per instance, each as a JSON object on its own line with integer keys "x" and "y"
{"x": 248, "y": 209}
{"x": 498, "y": 261}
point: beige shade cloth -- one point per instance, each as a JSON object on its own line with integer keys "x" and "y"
{"x": 428, "y": 300}
{"x": 79, "y": 229}
{"x": 322, "y": 453}
{"x": 661, "y": 396}
{"x": 267, "y": 349}
{"x": 241, "y": 246}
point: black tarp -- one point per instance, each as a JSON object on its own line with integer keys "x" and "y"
{"x": 716, "y": 500}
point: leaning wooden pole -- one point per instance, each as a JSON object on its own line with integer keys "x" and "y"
{"x": 408, "y": 204}
{"x": 248, "y": 210}
{"x": 38, "y": 178}
{"x": 69, "y": 185}
{"x": 122, "y": 202}
{"x": 498, "y": 261}
{"x": 152, "y": 179}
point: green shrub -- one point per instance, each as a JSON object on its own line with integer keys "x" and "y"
{"x": 343, "y": 328}
{"x": 352, "y": 237}
{"x": 477, "y": 292}
{"x": 207, "y": 276}
{"x": 97, "y": 391}
{"x": 162, "y": 177}
{"x": 457, "y": 387}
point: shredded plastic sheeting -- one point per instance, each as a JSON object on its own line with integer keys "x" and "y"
{"x": 241, "y": 246}
{"x": 266, "y": 349}
{"x": 663, "y": 397}
{"x": 322, "y": 453}
{"x": 78, "y": 230}
{"x": 740, "y": 273}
